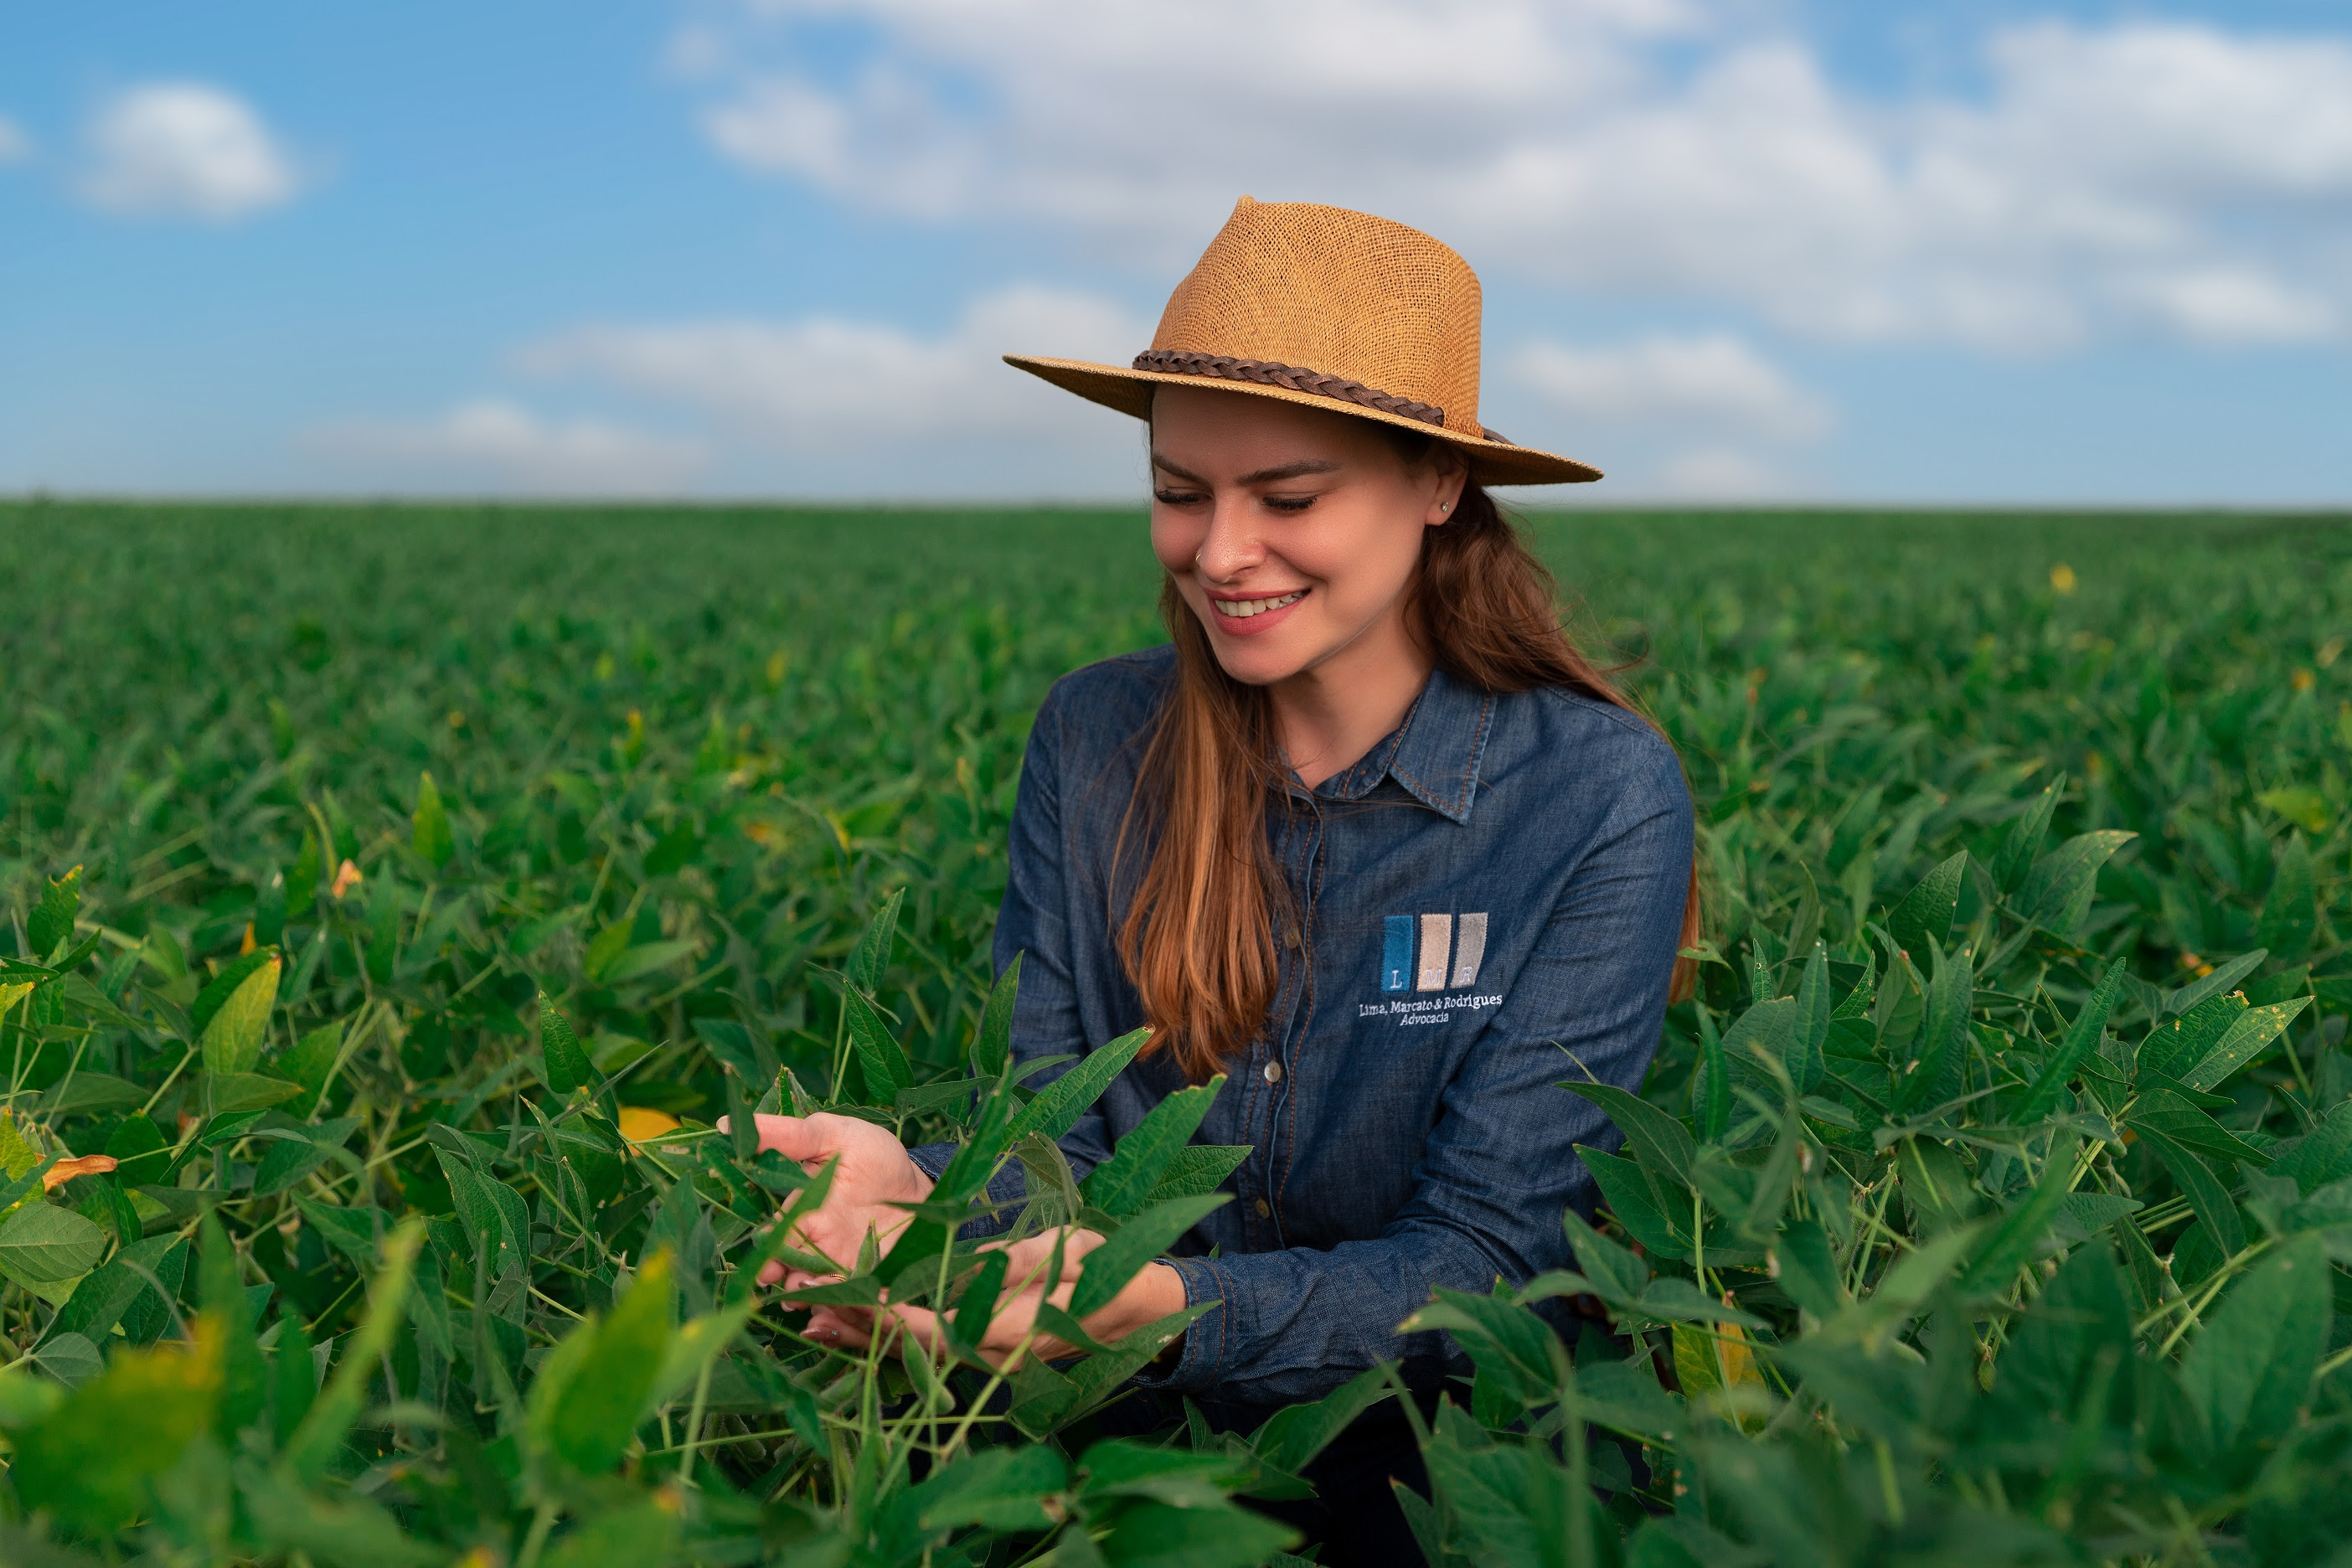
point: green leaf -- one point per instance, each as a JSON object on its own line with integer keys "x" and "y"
{"x": 1003, "y": 1488}
{"x": 568, "y": 1068}
{"x": 309, "y": 1061}
{"x": 1134, "y": 1245}
{"x": 232, "y": 1040}
{"x": 604, "y": 951}
{"x": 2249, "y": 1368}
{"x": 2306, "y": 808}
{"x": 2245, "y": 1039}
{"x": 90, "y": 1093}
{"x": 51, "y": 924}
{"x": 1292, "y": 1436}
{"x": 429, "y": 826}
{"x": 2057, "y": 891}
{"x": 645, "y": 959}
{"x": 1808, "y": 1268}
{"x": 2081, "y": 1040}
{"x": 1198, "y": 1168}
{"x": 2291, "y": 914}
{"x": 231, "y": 1094}
{"x": 1056, "y": 1109}
{"x": 42, "y": 1244}
{"x": 290, "y": 1159}
{"x": 107, "y": 1293}
{"x": 1626, "y": 1192}
{"x": 635, "y": 1536}
{"x": 591, "y": 1414}
{"x": 348, "y": 1532}
{"x": 2012, "y": 1242}
{"x": 1923, "y": 918}
{"x": 2023, "y": 846}
{"x": 2163, "y": 1110}
{"x": 878, "y": 1053}
{"x": 992, "y": 1052}
{"x": 2206, "y": 1196}
{"x": 1122, "y": 1184}
{"x": 1615, "y": 1274}
{"x": 1158, "y": 1535}
{"x": 320, "y": 1434}
{"x": 1661, "y": 1144}
{"x": 872, "y": 954}
{"x": 222, "y": 986}
{"x": 676, "y": 849}
{"x": 1811, "y": 1032}
{"x": 89, "y": 1462}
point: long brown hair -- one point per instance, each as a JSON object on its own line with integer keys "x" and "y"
{"x": 1199, "y": 936}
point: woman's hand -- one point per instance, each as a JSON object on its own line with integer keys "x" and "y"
{"x": 874, "y": 1175}
{"x": 1155, "y": 1292}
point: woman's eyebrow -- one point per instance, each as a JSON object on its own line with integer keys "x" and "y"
{"x": 1281, "y": 471}
{"x": 1299, "y": 470}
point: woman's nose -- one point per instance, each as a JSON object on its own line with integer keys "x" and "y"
{"x": 1232, "y": 546}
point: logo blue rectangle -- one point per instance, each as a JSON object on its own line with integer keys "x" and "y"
{"x": 1396, "y": 952}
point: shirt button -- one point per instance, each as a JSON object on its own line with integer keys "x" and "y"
{"x": 1273, "y": 1072}
{"x": 1264, "y": 1209}
{"x": 1291, "y": 938}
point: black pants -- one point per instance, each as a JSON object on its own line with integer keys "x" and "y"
{"x": 1354, "y": 1514}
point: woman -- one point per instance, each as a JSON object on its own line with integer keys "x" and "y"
{"x": 1370, "y": 838}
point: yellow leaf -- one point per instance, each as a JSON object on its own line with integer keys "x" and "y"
{"x": 12, "y": 994}
{"x": 65, "y": 1171}
{"x": 347, "y": 877}
{"x": 639, "y": 1123}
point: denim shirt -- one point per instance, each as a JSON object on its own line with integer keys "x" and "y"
{"x": 1488, "y": 898}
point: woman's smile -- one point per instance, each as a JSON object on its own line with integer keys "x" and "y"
{"x": 1254, "y": 616}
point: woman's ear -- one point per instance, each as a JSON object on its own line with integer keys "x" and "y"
{"x": 1452, "y": 474}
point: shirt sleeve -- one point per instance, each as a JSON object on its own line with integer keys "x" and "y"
{"x": 1500, "y": 1165}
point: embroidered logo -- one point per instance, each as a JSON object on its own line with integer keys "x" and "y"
{"x": 1449, "y": 951}
{"x": 1430, "y": 952}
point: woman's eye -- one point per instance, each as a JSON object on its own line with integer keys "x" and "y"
{"x": 1175, "y": 498}
{"x": 1289, "y": 503}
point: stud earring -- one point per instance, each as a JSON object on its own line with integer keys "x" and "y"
{"x": 1445, "y": 506}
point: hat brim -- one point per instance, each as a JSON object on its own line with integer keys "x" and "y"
{"x": 1492, "y": 462}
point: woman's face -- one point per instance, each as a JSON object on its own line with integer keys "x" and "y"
{"x": 1291, "y": 532}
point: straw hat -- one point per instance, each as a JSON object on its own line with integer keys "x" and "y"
{"x": 1329, "y": 308}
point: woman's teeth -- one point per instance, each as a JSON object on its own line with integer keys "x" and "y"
{"x": 1244, "y": 608}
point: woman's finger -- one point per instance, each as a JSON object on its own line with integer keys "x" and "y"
{"x": 794, "y": 1137}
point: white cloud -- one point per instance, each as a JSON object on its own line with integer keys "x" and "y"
{"x": 1654, "y": 151}
{"x": 2238, "y": 305}
{"x": 186, "y": 150}
{"x": 500, "y": 445}
{"x": 14, "y": 145}
{"x": 827, "y": 384}
{"x": 1719, "y": 473}
{"x": 1714, "y": 382}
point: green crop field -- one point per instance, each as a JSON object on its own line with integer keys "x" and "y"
{"x": 395, "y": 896}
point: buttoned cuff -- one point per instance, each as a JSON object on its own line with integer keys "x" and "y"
{"x": 1201, "y": 1366}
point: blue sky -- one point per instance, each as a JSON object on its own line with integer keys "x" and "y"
{"x": 1753, "y": 249}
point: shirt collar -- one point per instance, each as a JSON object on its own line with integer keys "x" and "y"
{"x": 1434, "y": 754}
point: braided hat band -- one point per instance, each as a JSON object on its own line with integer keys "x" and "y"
{"x": 1224, "y": 367}
{"x": 1326, "y": 306}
